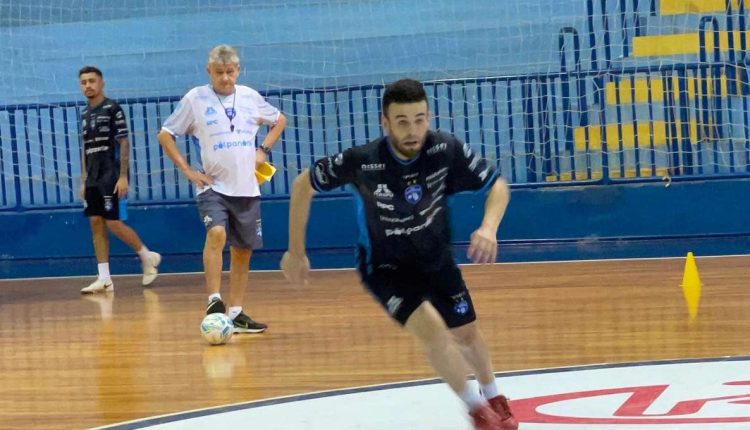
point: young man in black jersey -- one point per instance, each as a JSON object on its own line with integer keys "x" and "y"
{"x": 401, "y": 182}
{"x": 104, "y": 179}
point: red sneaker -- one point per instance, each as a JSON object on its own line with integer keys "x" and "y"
{"x": 501, "y": 408}
{"x": 484, "y": 418}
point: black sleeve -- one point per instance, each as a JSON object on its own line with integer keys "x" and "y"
{"x": 334, "y": 171}
{"x": 468, "y": 170}
{"x": 119, "y": 122}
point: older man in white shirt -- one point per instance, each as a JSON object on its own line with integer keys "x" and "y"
{"x": 223, "y": 119}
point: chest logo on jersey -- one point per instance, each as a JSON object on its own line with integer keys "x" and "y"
{"x": 209, "y": 111}
{"x": 383, "y": 192}
{"x": 413, "y": 193}
{"x": 373, "y": 167}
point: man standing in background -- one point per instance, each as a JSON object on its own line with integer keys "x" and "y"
{"x": 224, "y": 119}
{"x": 104, "y": 179}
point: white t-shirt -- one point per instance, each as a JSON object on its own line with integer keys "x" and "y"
{"x": 226, "y": 155}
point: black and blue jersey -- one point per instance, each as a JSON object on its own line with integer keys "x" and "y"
{"x": 101, "y": 126}
{"x": 403, "y": 211}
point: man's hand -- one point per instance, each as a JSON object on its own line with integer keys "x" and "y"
{"x": 260, "y": 157}
{"x": 295, "y": 268}
{"x": 483, "y": 247}
{"x": 121, "y": 187}
{"x": 198, "y": 178}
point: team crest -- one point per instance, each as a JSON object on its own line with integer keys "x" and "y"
{"x": 461, "y": 307}
{"x": 413, "y": 194}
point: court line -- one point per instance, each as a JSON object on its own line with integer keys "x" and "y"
{"x": 180, "y": 416}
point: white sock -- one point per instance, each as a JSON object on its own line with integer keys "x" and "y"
{"x": 471, "y": 397}
{"x": 234, "y": 311}
{"x": 144, "y": 254}
{"x": 490, "y": 390}
{"x": 213, "y": 296}
{"x": 103, "y": 269}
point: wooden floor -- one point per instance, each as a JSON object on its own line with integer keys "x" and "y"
{"x": 68, "y": 361}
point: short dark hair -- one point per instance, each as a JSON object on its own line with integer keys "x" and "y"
{"x": 90, "y": 69}
{"x": 403, "y": 91}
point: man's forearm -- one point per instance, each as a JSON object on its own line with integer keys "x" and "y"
{"x": 124, "y": 157}
{"x": 166, "y": 140}
{"x": 495, "y": 204}
{"x": 299, "y": 212}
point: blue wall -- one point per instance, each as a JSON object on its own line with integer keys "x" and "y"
{"x": 646, "y": 219}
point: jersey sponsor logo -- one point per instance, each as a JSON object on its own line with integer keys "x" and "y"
{"x": 372, "y": 167}
{"x": 212, "y": 122}
{"x": 387, "y": 266}
{"x": 385, "y": 206}
{"x": 413, "y": 194}
{"x": 207, "y": 220}
{"x": 408, "y": 231}
{"x": 258, "y": 228}
{"x": 320, "y": 174}
{"x": 209, "y": 111}
{"x": 440, "y": 147}
{"x": 97, "y": 149}
{"x": 393, "y": 304}
{"x": 383, "y": 192}
{"x": 232, "y": 144}
{"x": 395, "y": 220}
{"x": 104, "y": 129}
{"x": 107, "y": 203}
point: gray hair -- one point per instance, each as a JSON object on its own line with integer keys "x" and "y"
{"x": 223, "y": 54}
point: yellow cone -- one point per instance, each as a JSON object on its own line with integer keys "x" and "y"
{"x": 691, "y": 285}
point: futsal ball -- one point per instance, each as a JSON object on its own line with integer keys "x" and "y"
{"x": 217, "y": 328}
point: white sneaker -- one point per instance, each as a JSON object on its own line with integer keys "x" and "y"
{"x": 99, "y": 286}
{"x": 149, "y": 268}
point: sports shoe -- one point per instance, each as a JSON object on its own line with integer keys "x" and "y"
{"x": 99, "y": 286}
{"x": 149, "y": 268}
{"x": 500, "y": 405}
{"x": 216, "y": 307}
{"x": 244, "y": 324}
{"x": 484, "y": 418}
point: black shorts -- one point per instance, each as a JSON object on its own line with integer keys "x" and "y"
{"x": 101, "y": 201}
{"x": 400, "y": 290}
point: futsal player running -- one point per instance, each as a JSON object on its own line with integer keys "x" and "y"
{"x": 401, "y": 182}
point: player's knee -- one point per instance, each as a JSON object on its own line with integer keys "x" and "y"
{"x": 466, "y": 335}
{"x": 216, "y": 236}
